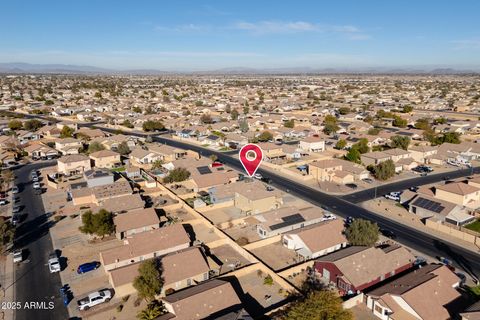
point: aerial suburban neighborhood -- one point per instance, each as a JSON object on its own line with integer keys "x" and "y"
{"x": 137, "y": 182}
{"x": 207, "y": 160}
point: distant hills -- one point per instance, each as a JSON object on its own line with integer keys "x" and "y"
{"x": 27, "y": 68}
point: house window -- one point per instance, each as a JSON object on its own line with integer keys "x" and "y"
{"x": 378, "y": 309}
{"x": 326, "y": 274}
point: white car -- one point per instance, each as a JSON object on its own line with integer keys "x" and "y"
{"x": 392, "y": 197}
{"x": 17, "y": 256}
{"x": 35, "y": 179}
{"x": 36, "y": 185}
{"x": 257, "y": 176}
{"x": 15, "y": 189}
{"x": 94, "y": 298}
{"x": 329, "y": 216}
{"x": 53, "y": 263}
{"x": 3, "y": 202}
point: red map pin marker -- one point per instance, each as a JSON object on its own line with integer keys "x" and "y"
{"x": 251, "y": 156}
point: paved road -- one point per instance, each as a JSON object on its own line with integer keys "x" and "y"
{"x": 371, "y": 193}
{"x": 33, "y": 281}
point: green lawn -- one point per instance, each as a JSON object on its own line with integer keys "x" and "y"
{"x": 475, "y": 226}
{"x": 119, "y": 169}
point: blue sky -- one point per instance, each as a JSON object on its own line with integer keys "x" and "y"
{"x": 205, "y": 35}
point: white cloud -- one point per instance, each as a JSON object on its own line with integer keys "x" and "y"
{"x": 466, "y": 44}
{"x": 185, "y": 28}
{"x": 279, "y": 27}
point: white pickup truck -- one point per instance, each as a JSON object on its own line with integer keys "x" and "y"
{"x": 94, "y": 298}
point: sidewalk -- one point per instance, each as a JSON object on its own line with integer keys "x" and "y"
{"x": 7, "y": 278}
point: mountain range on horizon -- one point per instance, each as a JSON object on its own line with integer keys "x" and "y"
{"x": 25, "y": 68}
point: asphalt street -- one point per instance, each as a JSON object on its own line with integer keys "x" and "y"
{"x": 371, "y": 193}
{"x": 33, "y": 281}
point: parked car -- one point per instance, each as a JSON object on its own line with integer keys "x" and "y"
{"x": 329, "y": 216}
{"x": 15, "y": 219}
{"x": 94, "y": 299}
{"x": 18, "y": 256}
{"x": 395, "y": 198}
{"x": 89, "y": 266}
{"x": 15, "y": 189}
{"x": 35, "y": 179}
{"x": 413, "y": 189}
{"x": 419, "y": 261}
{"x": 266, "y": 180}
{"x": 352, "y": 186}
{"x": 3, "y": 202}
{"x": 349, "y": 220}
{"x": 53, "y": 263}
{"x": 36, "y": 185}
{"x": 16, "y": 209}
{"x": 367, "y": 180}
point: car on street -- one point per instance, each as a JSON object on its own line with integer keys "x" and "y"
{"x": 388, "y": 233}
{"x": 16, "y": 209}
{"x": 423, "y": 174}
{"x": 53, "y": 263}
{"x": 36, "y": 185}
{"x": 94, "y": 298}
{"x": 349, "y": 220}
{"x": 351, "y": 186}
{"x": 367, "y": 180}
{"x": 15, "y": 189}
{"x": 18, "y": 256}
{"x": 413, "y": 189}
{"x": 89, "y": 266}
{"x": 266, "y": 180}
{"x": 35, "y": 179}
{"x": 258, "y": 176}
{"x": 3, "y": 202}
{"x": 15, "y": 219}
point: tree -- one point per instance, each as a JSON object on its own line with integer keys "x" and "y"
{"x": 407, "y": 109}
{"x": 127, "y": 123}
{"x": 137, "y": 109}
{"x": 151, "y": 125}
{"x": 95, "y": 146}
{"x": 32, "y": 125}
{"x": 177, "y": 175}
{"x": 401, "y": 142}
{"x": 15, "y": 125}
{"x": 341, "y": 144}
{"x": 206, "y": 119}
{"x": 157, "y": 164}
{"x": 422, "y": 124}
{"x": 353, "y": 155}
{"x": 289, "y": 123}
{"x": 152, "y": 312}
{"x": 243, "y": 125}
{"x": 246, "y": 110}
{"x": 7, "y": 231}
{"x": 123, "y": 148}
{"x": 330, "y": 124}
{"x": 100, "y": 224}
{"x": 344, "y": 110}
{"x": 234, "y": 114}
{"x": 362, "y": 146}
{"x": 384, "y": 170}
{"x": 440, "y": 120}
{"x": 362, "y": 232}
{"x": 318, "y": 305}
{"x": 265, "y": 136}
{"x": 399, "y": 122}
{"x": 149, "y": 281}
{"x": 213, "y": 157}
{"x": 66, "y": 132}
{"x": 374, "y": 131}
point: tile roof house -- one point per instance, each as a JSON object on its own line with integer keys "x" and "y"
{"x": 214, "y": 299}
{"x": 135, "y": 221}
{"x": 146, "y": 245}
{"x": 105, "y": 159}
{"x": 73, "y": 164}
{"x": 68, "y": 145}
{"x": 180, "y": 269}
{"x": 355, "y": 269}
{"x": 316, "y": 240}
{"x": 460, "y": 193}
{"x": 472, "y": 312}
{"x": 428, "y": 293}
